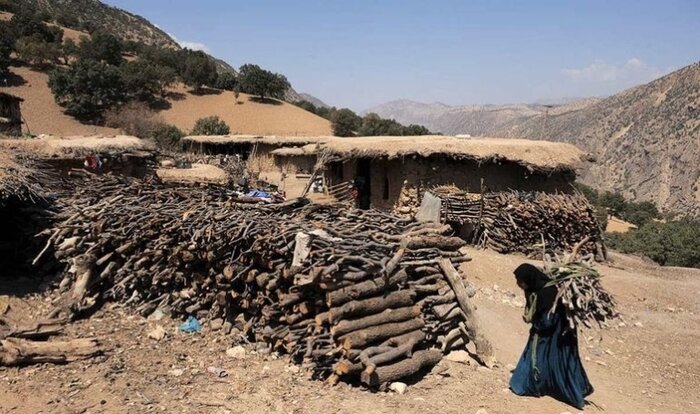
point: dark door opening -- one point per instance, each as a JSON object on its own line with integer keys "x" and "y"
{"x": 362, "y": 183}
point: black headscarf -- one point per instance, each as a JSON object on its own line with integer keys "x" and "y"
{"x": 536, "y": 280}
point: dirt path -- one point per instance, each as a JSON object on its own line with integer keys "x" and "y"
{"x": 649, "y": 365}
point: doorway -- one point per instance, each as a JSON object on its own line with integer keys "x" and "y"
{"x": 363, "y": 183}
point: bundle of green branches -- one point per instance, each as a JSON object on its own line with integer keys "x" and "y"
{"x": 581, "y": 294}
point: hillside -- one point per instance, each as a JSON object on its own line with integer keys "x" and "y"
{"x": 246, "y": 117}
{"x": 44, "y": 116}
{"x": 476, "y": 120}
{"x": 94, "y": 14}
{"x": 646, "y": 140}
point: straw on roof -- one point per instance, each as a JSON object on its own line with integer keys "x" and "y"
{"x": 291, "y": 152}
{"x": 535, "y": 155}
{"x": 253, "y": 139}
{"x": 199, "y": 173}
{"x": 53, "y": 146}
{"x": 18, "y": 178}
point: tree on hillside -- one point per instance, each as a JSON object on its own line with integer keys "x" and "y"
{"x": 675, "y": 243}
{"x": 35, "y": 51}
{"x": 27, "y": 22}
{"x": 345, "y": 122}
{"x": 210, "y": 125}
{"x": 226, "y": 81}
{"x": 101, "y": 46}
{"x": 199, "y": 70}
{"x": 255, "y": 80}
{"x": 7, "y": 41}
{"x": 87, "y": 88}
{"x": 146, "y": 81}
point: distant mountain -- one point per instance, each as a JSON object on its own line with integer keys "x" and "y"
{"x": 314, "y": 100}
{"x": 646, "y": 140}
{"x": 476, "y": 120}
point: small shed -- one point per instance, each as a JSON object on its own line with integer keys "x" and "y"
{"x": 10, "y": 115}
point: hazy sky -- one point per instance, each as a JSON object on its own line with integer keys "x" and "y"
{"x": 360, "y": 53}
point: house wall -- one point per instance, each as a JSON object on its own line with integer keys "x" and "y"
{"x": 389, "y": 177}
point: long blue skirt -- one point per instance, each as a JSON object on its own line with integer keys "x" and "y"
{"x": 557, "y": 370}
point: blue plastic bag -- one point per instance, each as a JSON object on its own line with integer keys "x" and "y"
{"x": 191, "y": 325}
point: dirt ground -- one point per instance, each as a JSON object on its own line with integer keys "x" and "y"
{"x": 649, "y": 363}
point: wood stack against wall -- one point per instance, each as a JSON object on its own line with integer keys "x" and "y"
{"x": 353, "y": 295}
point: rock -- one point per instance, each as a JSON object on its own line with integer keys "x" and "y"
{"x": 458, "y": 356}
{"x": 482, "y": 411}
{"x": 294, "y": 369}
{"x": 176, "y": 372}
{"x": 167, "y": 164}
{"x": 227, "y": 326}
{"x": 398, "y": 387}
{"x": 156, "y": 315}
{"x": 237, "y": 352}
{"x": 157, "y": 333}
{"x": 638, "y": 324}
{"x": 510, "y": 367}
{"x": 216, "y": 324}
{"x": 219, "y": 372}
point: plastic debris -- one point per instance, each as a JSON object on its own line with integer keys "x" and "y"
{"x": 191, "y": 325}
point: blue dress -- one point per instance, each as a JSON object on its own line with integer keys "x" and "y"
{"x": 550, "y": 364}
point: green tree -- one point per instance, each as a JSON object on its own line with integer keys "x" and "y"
{"x": 146, "y": 81}
{"x": 102, "y": 46}
{"x": 255, "y": 80}
{"x": 199, "y": 70}
{"x": 35, "y": 51}
{"x": 675, "y": 243}
{"x": 226, "y": 81}
{"x": 69, "y": 50}
{"x": 210, "y": 125}
{"x": 167, "y": 136}
{"x": 640, "y": 213}
{"x": 87, "y": 88}
{"x": 27, "y": 22}
{"x": 614, "y": 202}
{"x": 7, "y": 41}
{"x": 345, "y": 122}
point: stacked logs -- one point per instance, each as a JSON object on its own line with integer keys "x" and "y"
{"x": 351, "y": 294}
{"x": 525, "y": 222}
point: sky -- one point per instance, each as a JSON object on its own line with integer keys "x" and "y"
{"x": 361, "y": 53}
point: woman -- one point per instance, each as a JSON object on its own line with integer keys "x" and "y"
{"x": 550, "y": 364}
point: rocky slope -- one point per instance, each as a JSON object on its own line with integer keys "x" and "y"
{"x": 475, "y": 120}
{"x": 646, "y": 140}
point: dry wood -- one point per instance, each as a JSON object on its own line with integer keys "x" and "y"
{"x": 484, "y": 349}
{"x": 388, "y": 315}
{"x": 377, "y": 333}
{"x": 410, "y": 366}
{"x": 15, "y": 351}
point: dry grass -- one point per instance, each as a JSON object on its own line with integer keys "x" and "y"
{"x": 40, "y": 111}
{"x": 246, "y": 117}
{"x": 53, "y": 146}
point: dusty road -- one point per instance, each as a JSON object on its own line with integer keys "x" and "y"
{"x": 648, "y": 364}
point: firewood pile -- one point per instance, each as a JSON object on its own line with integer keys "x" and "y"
{"x": 525, "y": 222}
{"x": 353, "y": 295}
{"x": 579, "y": 289}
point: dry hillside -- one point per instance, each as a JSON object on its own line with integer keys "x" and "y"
{"x": 98, "y": 15}
{"x": 44, "y": 116}
{"x": 646, "y": 140}
{"x": 476, "y": 120}
{"x": 246, "y": 117}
